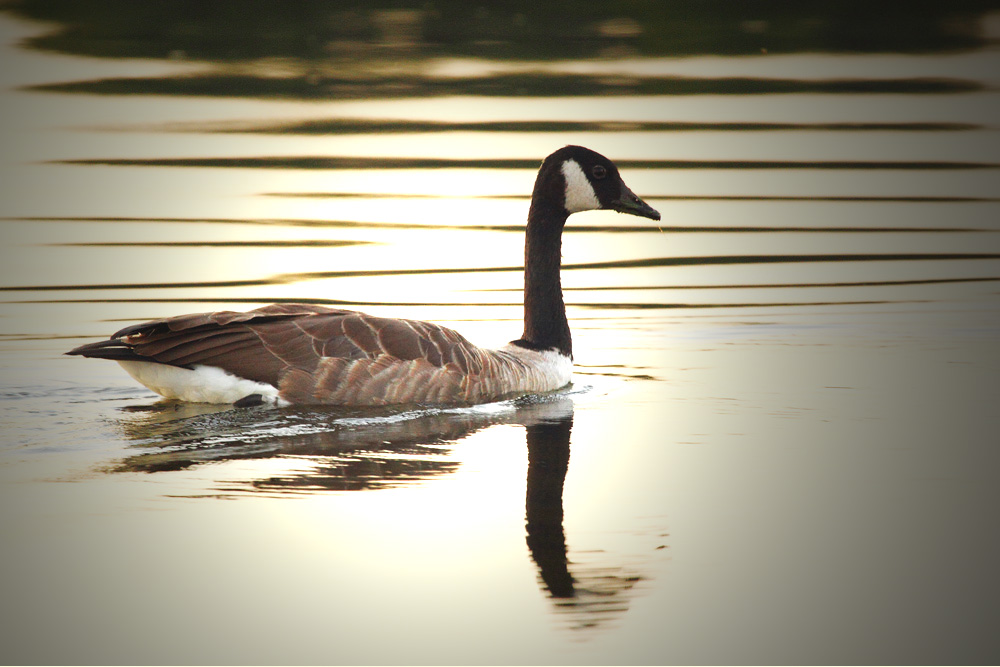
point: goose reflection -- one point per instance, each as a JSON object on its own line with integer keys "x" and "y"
{"x": 339, "y": 450}
{"x": 366, "y": 449}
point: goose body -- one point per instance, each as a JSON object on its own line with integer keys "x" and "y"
{"x": 307, "y": 354}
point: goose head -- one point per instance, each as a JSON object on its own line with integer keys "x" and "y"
{"x": 580, "y": 179}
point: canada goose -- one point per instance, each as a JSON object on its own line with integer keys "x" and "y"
{"x": 305, "y": 354}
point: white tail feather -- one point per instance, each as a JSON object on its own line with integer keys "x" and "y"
{"x": 202, "y": 384}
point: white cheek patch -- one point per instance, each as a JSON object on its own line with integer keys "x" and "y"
{"x": 580, "y": 195}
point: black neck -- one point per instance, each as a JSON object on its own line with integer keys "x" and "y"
{"x": 545, "y": 324}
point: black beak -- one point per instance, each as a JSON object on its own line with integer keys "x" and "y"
{"x": 630, "y": 203}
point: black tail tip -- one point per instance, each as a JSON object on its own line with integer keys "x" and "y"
{"x": 104, "y": 349}
{"x": 249, "y": 401}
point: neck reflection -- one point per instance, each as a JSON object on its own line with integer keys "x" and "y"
{"x": 591, "y": 589}
{"x": 548, "y": 461}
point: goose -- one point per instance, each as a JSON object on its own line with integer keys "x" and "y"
{"x": 301, "y": 354}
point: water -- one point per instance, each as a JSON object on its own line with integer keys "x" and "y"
{"x": 780, "y": 443}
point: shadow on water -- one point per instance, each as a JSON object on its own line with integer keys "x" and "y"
{"x": 233, "y": 31}
{"x": 352, "y": 450}
{"x": 336, "y": 50}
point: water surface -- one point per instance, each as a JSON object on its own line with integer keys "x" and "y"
{"x": 780, "y": 442}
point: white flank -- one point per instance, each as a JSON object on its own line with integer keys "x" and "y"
{"x": 580, "y": 195}
{"x": 202, "y": 384}
{"x": 549, "y": 369}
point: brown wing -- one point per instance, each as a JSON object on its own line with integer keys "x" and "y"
{"x": 297, "y": 347}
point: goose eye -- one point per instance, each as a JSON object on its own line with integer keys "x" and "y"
{"x": 599, "y": 171}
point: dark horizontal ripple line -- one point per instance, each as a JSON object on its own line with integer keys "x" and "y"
{"x": 304, "y": 243}
{"x": 362, "y": 163}
{"x": 616, "y": 264}
{"x": 780, "y": 198}
{"x": 864, "y": 283}
{"x": 618, "y": 229}
{"x": 332, "y": 126}
{"x": 614, "y": 305}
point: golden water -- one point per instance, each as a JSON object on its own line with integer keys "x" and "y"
{"x": 779, "y": 446}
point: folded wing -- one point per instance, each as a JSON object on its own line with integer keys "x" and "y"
{"x": 318, "y": 354}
